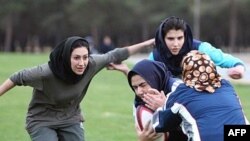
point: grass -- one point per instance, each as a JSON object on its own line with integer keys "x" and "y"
{"x": 107, "y": 107}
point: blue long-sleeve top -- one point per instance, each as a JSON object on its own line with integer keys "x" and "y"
{"x": 201, "y": 115}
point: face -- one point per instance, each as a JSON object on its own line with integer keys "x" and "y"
{"x": 107, "y": 40}
{"x": 174, "y": 40}
{"x": 79, "y": 60}
{"x": 139, "y": 85}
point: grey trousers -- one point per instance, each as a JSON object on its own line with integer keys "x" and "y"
{"x": 70, "y": 133}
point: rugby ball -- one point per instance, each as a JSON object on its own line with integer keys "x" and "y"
{"x": 143, "y": 115}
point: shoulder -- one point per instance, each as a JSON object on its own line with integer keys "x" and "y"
{"x": 226, "y": 84}
{"x": 44, "y": 70}
{"x": 175, "y": 82}
{"x": 180, "y": 90}
{"x": 196, "y": 44}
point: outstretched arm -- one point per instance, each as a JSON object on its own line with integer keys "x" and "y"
{"x": 137, "y": 47}
{"x": 236, "y": 67}
{"x": 120, "y": 54}
{"x": 7, "y": 85}
{"x": 119, "y": 67}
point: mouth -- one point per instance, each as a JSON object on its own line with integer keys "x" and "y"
{"x": 80, "y": 69}
{"x": 175, "y": 50}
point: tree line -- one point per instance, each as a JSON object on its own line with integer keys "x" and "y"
{"x": 30, "y": 25}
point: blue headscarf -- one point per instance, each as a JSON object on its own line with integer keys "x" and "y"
{"x": 154, "y": 73}
{"x": 162, "y": 53}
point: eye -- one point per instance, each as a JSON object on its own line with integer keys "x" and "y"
{"x": 143, "y": 84}
{"x": 180, "y": 38}
{"x": 85, "y": 57}
{"x": 76, "y": 57}
{"x": 170, "y": 38}
{"x": 134, "y": 87}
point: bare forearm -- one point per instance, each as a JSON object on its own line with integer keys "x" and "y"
{"x": 137, "y": 47}
{"x": 7, "y": 85}
{"x": 119, "y": 67}
{"x": 125, "y": 72}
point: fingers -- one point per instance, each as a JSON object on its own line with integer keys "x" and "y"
{"x": 148, "y": 128}
{"x": 148, "y": 102}
{"x": 138, "y": 130}
{"x": 236, "y": 72}
{"x": 162, "y": 94}
{"x": 235, "y": 76}
{"x": 157, "y": 135}
{"x": 153, "y": 105}
{"x": 119, "y": 67}
{"x": 147, "y": 125}
{"x": 154, "y": 101}
{"x": 153, "y": 91}
{"x": 109, "y": 67}
{"x": 150, "y": 132}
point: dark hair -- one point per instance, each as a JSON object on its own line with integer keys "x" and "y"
{"x": 174, "y": 23}
{"x": 80, "y": 43}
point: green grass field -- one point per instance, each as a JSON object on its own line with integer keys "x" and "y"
{"x": 107, "y": 107}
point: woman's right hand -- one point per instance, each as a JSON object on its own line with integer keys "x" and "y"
{"x": 148, "y": 133}
{"x": 154, "y": 99}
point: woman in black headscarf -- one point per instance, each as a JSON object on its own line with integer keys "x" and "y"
{"x": 60, "y": 85}
{"x": 174, "y": 39}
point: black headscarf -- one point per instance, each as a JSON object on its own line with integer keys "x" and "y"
{"x": 60, "y": 63}
{"x": 154, "y": 73}
{"x": 162, "y": 53}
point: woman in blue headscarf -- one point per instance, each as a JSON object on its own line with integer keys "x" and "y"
{"x": 155, "y": 76}
{"x": 148, "y": 77}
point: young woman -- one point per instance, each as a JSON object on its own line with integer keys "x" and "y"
{"x": 174, "y": 39}
{"x": 202, "y": 105}
{"x": 150, "y": 77}
{"x": 60, "y": 85}
{"x": 146, "y": 77}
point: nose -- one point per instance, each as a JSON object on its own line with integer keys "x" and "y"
{"x": 140, "y": 91}
{"x": 175, "y": 42}
{"x": 81, "y": 62}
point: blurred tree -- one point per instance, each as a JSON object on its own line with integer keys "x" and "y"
{"x": 9, "y": 12}
{"x": 197, "y": 11}
{"x": 243, "y": 33}
{"x": 233, "y": 25}
{"x": 29, "y": 23}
